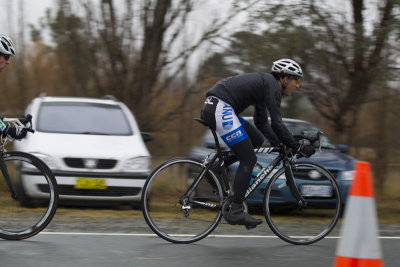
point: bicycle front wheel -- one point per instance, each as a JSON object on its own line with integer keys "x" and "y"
{"x": 173, "y": 216}
{"x": 307, "y": 224}
{"x": 35, "y": 203}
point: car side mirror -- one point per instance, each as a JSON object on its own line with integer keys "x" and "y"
{"x": 343, "y": 148}
{"x": 146, "y": 136}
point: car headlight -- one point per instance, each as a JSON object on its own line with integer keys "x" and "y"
{"x": 348, "y": 175}
{"x": 136, "y": 164}
{"x": 49, "y": 160}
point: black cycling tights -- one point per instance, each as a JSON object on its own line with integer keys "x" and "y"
{"x": 244, "y": 151}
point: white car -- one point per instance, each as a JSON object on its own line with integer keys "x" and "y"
{"x": 93, "y": 146}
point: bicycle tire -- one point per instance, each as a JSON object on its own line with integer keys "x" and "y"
{"x": 26, "y": 215}
{"x": 309, "y": 224}
{"x": 162, "y": 210}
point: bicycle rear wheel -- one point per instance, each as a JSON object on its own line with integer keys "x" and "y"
{"x": 36, "y": 200}
{"x": 309, "y": 224}
{"x": 162, "y": 205}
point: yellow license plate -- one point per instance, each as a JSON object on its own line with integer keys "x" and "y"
{"x": 90, "y": 183}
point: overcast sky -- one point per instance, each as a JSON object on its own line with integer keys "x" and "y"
{"x": 33, "y": 10}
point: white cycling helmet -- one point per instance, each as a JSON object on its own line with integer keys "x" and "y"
{"x": 287, "y": 66}
{"x": 7, "y": 45}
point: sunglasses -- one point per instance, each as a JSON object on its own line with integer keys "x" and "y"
{"x": 6, "y": 57}
{"x": 297, "y": 79}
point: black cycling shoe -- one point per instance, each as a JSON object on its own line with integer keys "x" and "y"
{"x": 236, "y": 215}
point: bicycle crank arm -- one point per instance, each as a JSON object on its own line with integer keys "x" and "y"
{"x": 206, "y": 205}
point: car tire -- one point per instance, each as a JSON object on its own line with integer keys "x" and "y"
{"x": 136, "y": 206}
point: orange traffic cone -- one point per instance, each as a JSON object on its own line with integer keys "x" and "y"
{"x": 359, "y": 244}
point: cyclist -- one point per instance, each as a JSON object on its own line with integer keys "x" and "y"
{"x": 228, "y": 98}
{"x": 7, "y": 50}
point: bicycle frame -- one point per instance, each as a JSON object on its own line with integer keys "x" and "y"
{"x": 261, "y": 176}
{"x": 207, "y": 164}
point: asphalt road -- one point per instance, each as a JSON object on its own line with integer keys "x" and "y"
{"x": 125, "y": 241}
{"x": 109, "y": 249}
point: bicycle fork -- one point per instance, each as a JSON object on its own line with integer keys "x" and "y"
{"x": 4, "y": 171}
{"x": 292, "y": 185}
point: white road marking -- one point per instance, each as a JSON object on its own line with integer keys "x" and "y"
{"x": 154, "y": 235}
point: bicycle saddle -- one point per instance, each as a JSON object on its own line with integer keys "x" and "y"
{"x": 201, "y": 121}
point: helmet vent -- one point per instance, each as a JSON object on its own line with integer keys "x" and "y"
{"x": 5, "y": 45}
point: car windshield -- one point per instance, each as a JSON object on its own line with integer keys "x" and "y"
{"x": 82, "y": 118}
{"x": 295, "y": 127}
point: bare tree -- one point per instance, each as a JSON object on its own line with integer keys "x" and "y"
{"x": 360, "y": 59}
{"x": 21, "y": 55}
{"x": 342, "y": 59}
{"x": 134, "y": 52}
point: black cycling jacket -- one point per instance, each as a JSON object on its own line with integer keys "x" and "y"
{"x": 262, "y": 91}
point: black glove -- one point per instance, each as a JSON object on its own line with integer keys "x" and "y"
{"x": 25, "y": 119}
{"x": 16, "y": 132}
{"x": 305, "y": 151}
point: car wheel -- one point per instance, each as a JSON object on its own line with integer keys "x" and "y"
{"x": 136, "y": 206}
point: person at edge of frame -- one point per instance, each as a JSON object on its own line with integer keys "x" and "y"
{"x": 7, "y": 50}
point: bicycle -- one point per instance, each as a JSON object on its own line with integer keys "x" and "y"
{"x": 21, "y": 216}
{"x": 183, "y": 200}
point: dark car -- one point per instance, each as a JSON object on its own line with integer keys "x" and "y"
{"x": 331, "y": 156}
